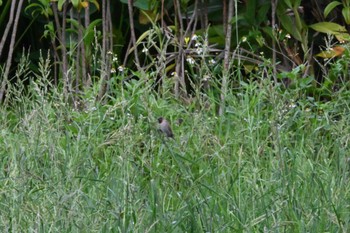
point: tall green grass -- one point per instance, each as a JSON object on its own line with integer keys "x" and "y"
{"x": 276, "y": 161}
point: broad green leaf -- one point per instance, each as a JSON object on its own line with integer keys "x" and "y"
{"x": 289, "y": 4}
{"x": 142, "y": 4}
{"x": 342, "y": 37}
{"x": 143, "y": 36}
{"x": 346, "y": 14}
{"x": 89, "y": 32}
{"x": 332, "y": 28}
{"x": 263, "y": 13}
{"x": 346, "y": 3}
{"x": 96, "y": 4}
{"x": 74, "y": 22}
{"x": 297, "y": 3}
{"x": 330, "y": 7}
{"x": 328, "y": 27}
{"x": 75, "y": 3}
{"x": 250, "y": 12}
{"x": 289, "y": 25}
{"x": 60, "y": 4}
{"x": 146, "y": 17}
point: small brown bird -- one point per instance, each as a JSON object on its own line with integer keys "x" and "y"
{"x": 164, "y": 126}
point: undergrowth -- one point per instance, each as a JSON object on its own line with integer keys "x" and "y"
{"x": 276, "y": 161}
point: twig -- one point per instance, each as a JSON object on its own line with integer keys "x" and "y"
{"x": 132, "y": 32}
{"x": 226, "y": 58}
{"x": 9, "y": 57}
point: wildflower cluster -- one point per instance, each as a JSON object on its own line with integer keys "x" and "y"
{"x": 115, "y": 64}
{"x": 198, "y": 47}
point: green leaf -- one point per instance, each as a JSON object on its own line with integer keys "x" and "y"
{"x": 328, "y": 27}
{"x": 75, "y": 3}
{"x": 289, "y": 4}
{"x": 60, "y": 4}
{"x": 346, "y": 14}
{"x": 330, "y": 7}
{"x": 306, "y": 82}
{"x": 262, "y": 14}
{"x": 49, "y": 31}
{"x": 89, "y": 32}
{"x": 250, "y": 12}
{"x": 332, "y": 28}
{"x": 142, "y": 4}
{"x": 289, "y": 25}
{"x": 346, "y": 3}
{"x": 96, "y": 4}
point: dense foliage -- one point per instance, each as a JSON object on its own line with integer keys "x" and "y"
{"x": 158, "y": 40}
{"x": 257, "y": 93}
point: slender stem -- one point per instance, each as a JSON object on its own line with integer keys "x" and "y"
{"x": 8, "y": 26}
{"x": 9, "y": 57}
{"x": 132, "y": 32}
{"x": 226, "y": 58}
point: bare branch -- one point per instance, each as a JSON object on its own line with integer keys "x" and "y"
{"x": 226, "y": 58}
{"x": 9, "y": 57}
{"x": 132, "y": 32}
{"x": 8, "y": 26}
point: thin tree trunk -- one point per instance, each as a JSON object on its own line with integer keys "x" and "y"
{"x": 179, "y": 68}
{"x": 132, "y": 32}
{"x": 180, "y": 84}
{"x": 224, "y": 15}
{"x": 9, "y": 57}
{"x": 110, "y": 38}
{"x": 162, "y": 15}
{"x": 226, "y": 70}
{"x": 8, "y": 26}
{"x": 87, "y": 64}
{"x": 109, "y": 44}
{"x": 53, "y": 41}
{"x": 78, "y": 59}
{"x": 273, "y": 22}
{"x": 203, "y": 9}
{"x": 84, "y": 69}
{"x": 106, "y": 61}
{"x": 66, "y": 80}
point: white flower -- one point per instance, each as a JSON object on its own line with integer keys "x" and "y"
{"x": 199, "y": 51}
{"x": 115, "y": 59}
{"x": 288, "y": 36}
{"x": 212, "y": 61}
{"x": 145, "y": 50}
{"x": 113, "y": 70}
{"x": 190, "y": 60}
{"x": 292, "y": 105}
{"x": 194, "y": 37}
{"x": 121, "y": 68}
{"x": 244, "y": 39}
